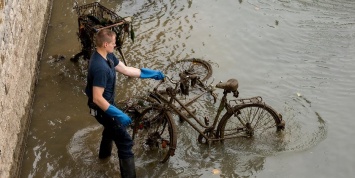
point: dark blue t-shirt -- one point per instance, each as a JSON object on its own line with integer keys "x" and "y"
{"x": 101, "y": 73}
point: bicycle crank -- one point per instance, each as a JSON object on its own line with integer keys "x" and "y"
{"x": 210, "y": 134}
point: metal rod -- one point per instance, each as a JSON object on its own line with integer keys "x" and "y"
{"x": 194, "y": 99}
{"x": 113, "y": 25}
{"x": 123, "y": 57}
{"x": 188, "y": 110}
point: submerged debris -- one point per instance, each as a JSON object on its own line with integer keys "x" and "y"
{"x": 56, "y": 58}
{"x": 94, "y": 17}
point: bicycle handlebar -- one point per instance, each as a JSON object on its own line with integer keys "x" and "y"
{"x": 171, "y": 80}
{"x": 208, "y": 88}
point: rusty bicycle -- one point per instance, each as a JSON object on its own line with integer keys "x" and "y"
{"x": 154, "y": 128}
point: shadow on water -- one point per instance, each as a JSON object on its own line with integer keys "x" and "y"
{"x": 64, "y": 140}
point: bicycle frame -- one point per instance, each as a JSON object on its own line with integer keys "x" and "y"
{"x": 208, "y": 129}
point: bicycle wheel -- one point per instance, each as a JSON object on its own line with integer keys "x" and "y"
{"x": 254, "y": 120}
{"x": 154, "y": 135}
{"x": 194, "y": 66}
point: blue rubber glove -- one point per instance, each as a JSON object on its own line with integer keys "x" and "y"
{"x": 118, "y": 115}
{"x": 149, "y": 73}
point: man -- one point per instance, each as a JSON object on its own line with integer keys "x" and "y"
{"x": 100, "y": 90}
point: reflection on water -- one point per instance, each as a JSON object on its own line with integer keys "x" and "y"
{"x": 295, "y": 54}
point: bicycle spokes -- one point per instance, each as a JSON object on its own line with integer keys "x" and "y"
{"x": 155, "y": 138}
{"x": 155, "y": 134}
{"x": 250, "y": 120}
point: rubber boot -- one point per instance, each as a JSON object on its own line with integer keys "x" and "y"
{"x": 105, "y": 148}
{"x": 128, "y": 168}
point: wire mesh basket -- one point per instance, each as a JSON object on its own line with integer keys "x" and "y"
{"x": 97, "y": 10}
{"x": 94, "y": 17}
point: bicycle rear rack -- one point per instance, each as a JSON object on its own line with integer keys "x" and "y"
{"x": 253, "y": 100}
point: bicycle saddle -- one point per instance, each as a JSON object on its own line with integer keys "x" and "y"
{"x": 230, "y": 85}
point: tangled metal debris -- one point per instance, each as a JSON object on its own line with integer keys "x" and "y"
{"x": 94, "y": 17}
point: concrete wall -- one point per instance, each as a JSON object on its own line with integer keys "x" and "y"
{"x": 23, "y": 25}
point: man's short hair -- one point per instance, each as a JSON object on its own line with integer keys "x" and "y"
{"x": 104, "y": 35}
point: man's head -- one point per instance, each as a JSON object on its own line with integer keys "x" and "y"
{"x": 106, "y": 39}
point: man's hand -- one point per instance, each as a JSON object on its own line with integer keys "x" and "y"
{"x": 149, "y": 73}
{"x": 118, "y": 115}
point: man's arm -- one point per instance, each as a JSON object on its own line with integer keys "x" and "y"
{"x": 139, "y": 73}
{"x": 129, "y": 71}
{"x": 98, "y": 99}
{"x": 109, "y": 109}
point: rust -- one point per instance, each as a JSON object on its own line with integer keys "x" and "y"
{"x": 94, "y": 17}
{"x": 251, "y": 114}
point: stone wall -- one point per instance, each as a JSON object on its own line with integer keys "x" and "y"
{"x": 23, "y": 25}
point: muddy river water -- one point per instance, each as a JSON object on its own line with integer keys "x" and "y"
{"x": 298, "y": 55}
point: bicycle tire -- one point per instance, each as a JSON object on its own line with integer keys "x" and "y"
{"x": 154, "y": 135}
{"x": 200, "y": 67}
{"x": 258, "y": 120}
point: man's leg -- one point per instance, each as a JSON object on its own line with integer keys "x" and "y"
{"x": 107, "y": 134}
{"x": 106, "y": 144}
{"x": 124, "y": 145}
{"x": 128, "y": 168}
